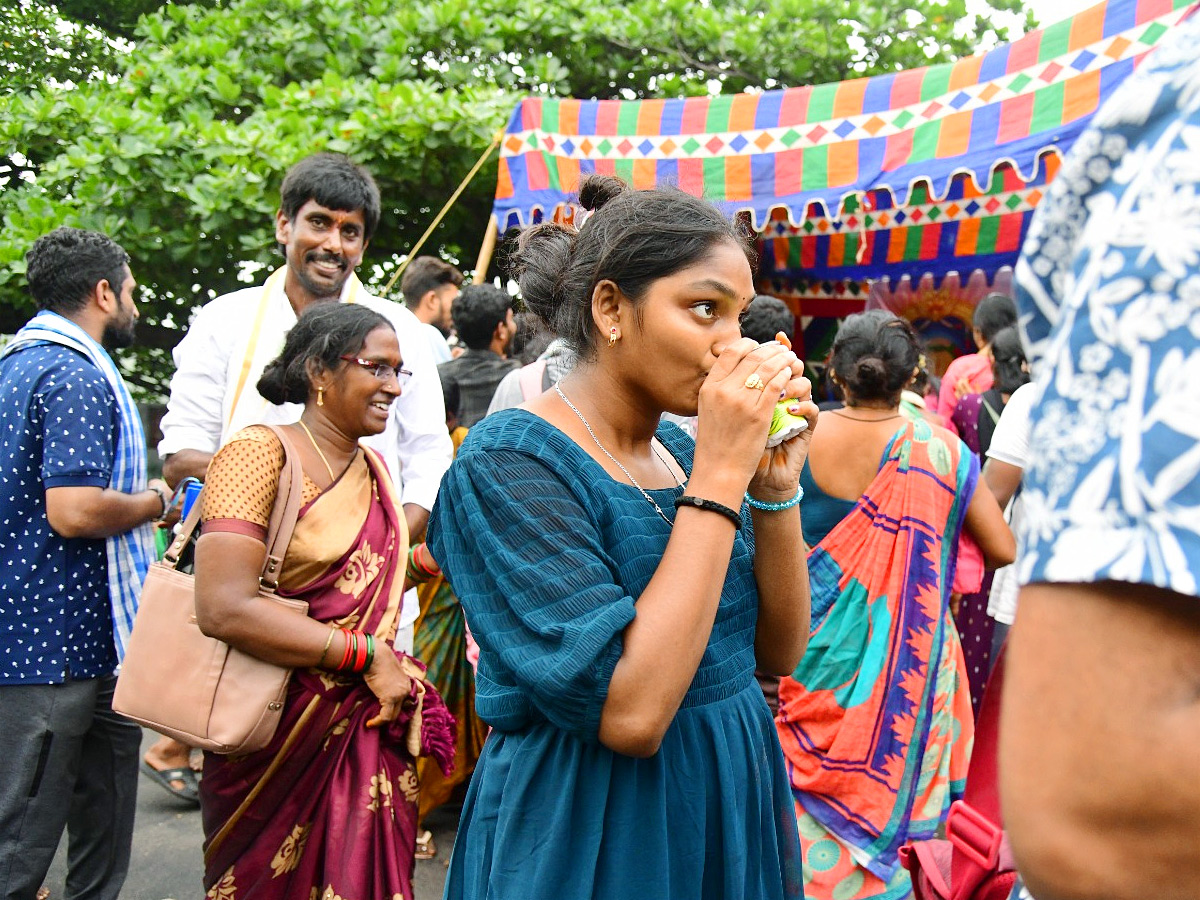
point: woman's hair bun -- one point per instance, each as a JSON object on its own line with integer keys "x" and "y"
{"x": 540, "y": 262}
{"x": 596, "y": 190}
{"x": 871, "y": 374}
{"x": 874, "y": 355}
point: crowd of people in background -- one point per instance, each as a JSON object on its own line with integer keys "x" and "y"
{"x": 552, "y": 574}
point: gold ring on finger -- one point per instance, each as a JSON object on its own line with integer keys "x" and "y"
{"x": 755, "y": 382}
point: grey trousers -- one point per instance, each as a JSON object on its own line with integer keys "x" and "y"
{"x": 66, "y": 761}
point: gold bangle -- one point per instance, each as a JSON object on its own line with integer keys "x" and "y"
{"x": 328, "y": 641}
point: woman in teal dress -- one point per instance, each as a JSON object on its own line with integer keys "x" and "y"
{"x": 623, "y": 582}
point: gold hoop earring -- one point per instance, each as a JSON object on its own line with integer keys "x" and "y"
{"x": 612, "y": 336}
{"x": 320, "y": 396}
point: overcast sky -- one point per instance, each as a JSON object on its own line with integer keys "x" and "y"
{"x": 1047, "y": 11}
{"x": 1051, "y": 11}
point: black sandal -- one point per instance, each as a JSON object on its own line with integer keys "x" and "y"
{"x": 181, "y": 782}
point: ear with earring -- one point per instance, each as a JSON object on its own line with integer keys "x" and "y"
{"x": 613, "y": 336}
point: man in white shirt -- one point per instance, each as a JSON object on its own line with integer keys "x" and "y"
{"x": 1008, "y": 455}
{"x": 329, "y": 211}
{"x": 429, "y": 287}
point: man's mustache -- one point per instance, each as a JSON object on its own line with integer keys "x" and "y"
{"x": 339, "y": 261}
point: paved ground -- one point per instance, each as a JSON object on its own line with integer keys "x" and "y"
{"x": 166, "y": 861}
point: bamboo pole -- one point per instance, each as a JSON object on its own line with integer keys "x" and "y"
{"x": 485, "y": 252}
{"x": 442, "y": 214}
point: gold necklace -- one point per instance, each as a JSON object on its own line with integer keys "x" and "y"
{"x": 857, "y": 419}
{"x": 328, "y": 467}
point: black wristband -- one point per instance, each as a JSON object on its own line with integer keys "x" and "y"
{"x": 163, "y": 499}
{"x": 712, "y": 506}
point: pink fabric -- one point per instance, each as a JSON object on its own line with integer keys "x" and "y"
{"x": 472, "y": 650}
{"x": 976, "y": 369}
{"x": 968, "y": 573}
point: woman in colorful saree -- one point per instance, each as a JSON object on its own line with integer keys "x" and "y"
{"x": 876, "y": 721}
{"x": 328, "y": 808}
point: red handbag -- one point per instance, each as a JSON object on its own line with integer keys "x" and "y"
{"x": 975, "y": 862}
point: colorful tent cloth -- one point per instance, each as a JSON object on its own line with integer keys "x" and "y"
{"x": 897, "y": 144}
{"x": 878, "y": 235}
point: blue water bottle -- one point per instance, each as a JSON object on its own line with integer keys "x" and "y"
{"x": 191, "y": 491}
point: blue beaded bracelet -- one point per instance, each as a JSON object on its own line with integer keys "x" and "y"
{"x": 775, "y": 507}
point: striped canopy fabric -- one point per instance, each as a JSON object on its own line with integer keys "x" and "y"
{"x": 929, "y": 170}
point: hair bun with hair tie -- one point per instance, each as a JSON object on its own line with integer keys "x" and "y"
{"x": 597, "y": 190}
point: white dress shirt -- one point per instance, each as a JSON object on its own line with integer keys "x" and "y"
{"x": 438, "y": 346}
{"x": 229, "y": 343}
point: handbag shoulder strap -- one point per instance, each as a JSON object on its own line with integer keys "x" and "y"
{"x": 285, "y": 512}
{"x": 282, "y": 523}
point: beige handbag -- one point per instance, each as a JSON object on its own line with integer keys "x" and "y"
{"x": 194, "y": 688}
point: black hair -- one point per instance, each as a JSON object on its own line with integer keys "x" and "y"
{"x": 64, "y": 266}
{"x": 995, "y": 311}
{"x": 335, "y": 182}
{"x": 766, "y": 317}
{"x": 874, "y": 355}
{"x": 531, "y": 339}
{"x": 451, "y": 397}
{"x": 323, "y": 334}
{"x": 1008, "y": 360}
{"x": 476, "y": 313}
{"x": 632, "y": 238}
{"x": 425, "y": 274}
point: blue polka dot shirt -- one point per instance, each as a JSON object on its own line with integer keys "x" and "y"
{"x": 58, "y": 428}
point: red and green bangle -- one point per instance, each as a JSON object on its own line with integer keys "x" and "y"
{"x": 359, "y": 652}
{"x": 348, "y": 653}
{"x": 370, "y": 651}
{"x": 421, "y": 567}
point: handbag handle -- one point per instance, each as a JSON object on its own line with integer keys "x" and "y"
{"x": 280, "y": 528}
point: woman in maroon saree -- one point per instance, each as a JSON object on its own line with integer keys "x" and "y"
{"x": 328, "y": 808}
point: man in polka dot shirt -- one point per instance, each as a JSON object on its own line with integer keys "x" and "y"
{"x": 74, "y": 514}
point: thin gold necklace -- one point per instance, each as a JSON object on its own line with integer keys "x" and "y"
{"x": 858, "y": 419}
{"x": 328, "y": 467}
{"x": 604, "y": 449}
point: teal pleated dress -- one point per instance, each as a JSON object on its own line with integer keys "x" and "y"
{"x": 547, "y": 552}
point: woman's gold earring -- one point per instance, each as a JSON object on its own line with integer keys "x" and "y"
{"x": 612, "y": 336}
{"x": 320, "y": 396}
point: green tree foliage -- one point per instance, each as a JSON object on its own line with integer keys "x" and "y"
{"x": 38, "y": 45}
{"x": 179, "y": 156}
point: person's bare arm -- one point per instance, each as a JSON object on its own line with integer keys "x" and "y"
{"x": 185, "y": 464}
{"x": 664, "y": 644}
{"x": 781, "y": 570}
{"x": 1002, "y": 479}
{"x": 1100, "y": 742}
{"x": 417, "y": 518}
{"x": 985, "y": 523}
{"x": 96, "y": 512}
{"x": 780, "y": 556}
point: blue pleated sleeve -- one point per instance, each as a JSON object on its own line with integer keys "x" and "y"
{"x": 520, "y": 538}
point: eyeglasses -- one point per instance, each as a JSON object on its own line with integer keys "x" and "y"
{"x": 380, "y": 370}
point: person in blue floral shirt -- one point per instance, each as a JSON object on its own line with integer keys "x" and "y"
{"x": 1100, "y": 736}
